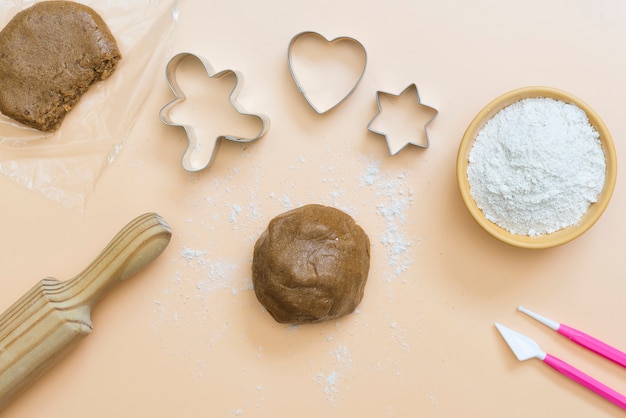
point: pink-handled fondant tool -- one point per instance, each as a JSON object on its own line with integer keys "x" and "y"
{"x": 581, "y": 338}
{"x": 525, "y": 348}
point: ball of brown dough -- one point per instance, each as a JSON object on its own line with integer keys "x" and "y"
{"x": 311, "y": 265}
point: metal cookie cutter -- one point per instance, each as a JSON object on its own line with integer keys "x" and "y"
{"x": 380, "y": 116}
{"x": 324, "y": 91}
{"x": 188, "y": 161}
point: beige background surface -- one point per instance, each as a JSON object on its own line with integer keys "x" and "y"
{"x": 187, "y": 337}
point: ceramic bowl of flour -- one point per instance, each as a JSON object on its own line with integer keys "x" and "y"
{"x": 536, "y": 167}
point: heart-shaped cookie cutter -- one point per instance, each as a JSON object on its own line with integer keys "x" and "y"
{"x": 341, "y": 96}
{"x": 188, "y": 161}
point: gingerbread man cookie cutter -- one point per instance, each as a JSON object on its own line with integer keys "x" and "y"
{"x": 190, "y": 161}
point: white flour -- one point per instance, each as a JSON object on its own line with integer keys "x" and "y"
{"x": 536, "y": 166}
{"x": 395, "y": 199}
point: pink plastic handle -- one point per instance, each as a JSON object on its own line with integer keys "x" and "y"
{"x": 593, "y": 344}
{"x": 585, "y": 380}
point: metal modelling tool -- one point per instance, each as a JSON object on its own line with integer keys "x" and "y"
{"x": 580, "y": 338}
{"x": 525, "y": 348}
{"x": 410, "y": 90}
{"x": 308, "y": 93}
{"x": 188, "y": 161}
{"x": 50, "y": 319}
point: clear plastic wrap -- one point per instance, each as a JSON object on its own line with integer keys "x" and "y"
{"x": 65, "y": 165}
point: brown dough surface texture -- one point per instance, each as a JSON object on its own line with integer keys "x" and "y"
{"x": 311, "y": 265}
{"x": 50, "y": 54}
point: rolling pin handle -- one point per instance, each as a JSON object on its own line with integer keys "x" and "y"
{"x": 134, "y": 247}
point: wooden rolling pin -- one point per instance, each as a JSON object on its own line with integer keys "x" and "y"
{"x": 48, "y": 321}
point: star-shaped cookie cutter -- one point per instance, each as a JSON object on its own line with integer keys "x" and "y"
{"x": 164, "y": 114}
{"x": 411, "y": 89}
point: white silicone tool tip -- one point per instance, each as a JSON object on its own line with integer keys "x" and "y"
{"x": 523, "y": 347}
{"x": 548, "y": 322}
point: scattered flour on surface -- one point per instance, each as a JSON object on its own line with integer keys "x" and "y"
{"x": 342, "y": 356}
{"x": 191, "y": 290}
{"x": 286, "y": 201}
{"x": 399, "y": 335}
{"x": 213, "y": 275}
{"x": 221, "y": 275}
{"x": 193, "y": 256}
{"x": 536, "y": 166}
{"x": 234, "y": 213}
{"x": 394, "y": 199}
{"x": 330, "y": 385}
{"x": 331, "y": 380}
